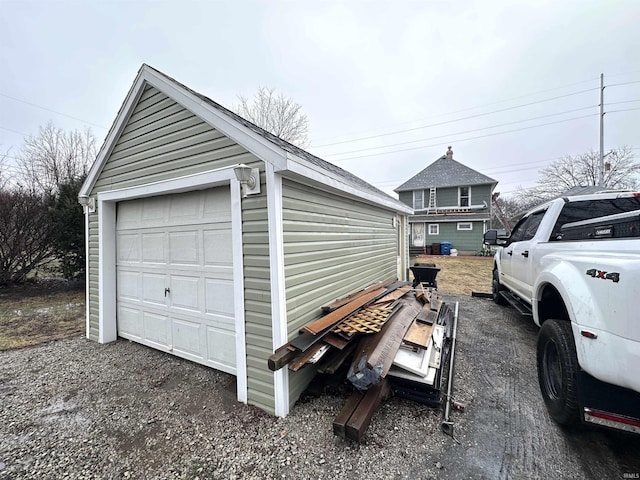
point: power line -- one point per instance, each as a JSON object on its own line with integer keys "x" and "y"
{"x": 51, "y": 110}
{"x": 466, "y": 139}
{"x": 624, "y": 110}
{"x": 460, "y": 119}
{"x": 500, "y": 101}
{"x": 623, "y": 83}
{"x": 13, "y": 131}
{"x": 463, "y": 132}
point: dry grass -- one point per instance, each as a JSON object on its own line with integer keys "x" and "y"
{"x": 461, "y": 275}
{"x": 33, "y": 315}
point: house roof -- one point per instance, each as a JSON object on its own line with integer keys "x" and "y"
{"x": 445, "y": 172}
{"x": 266, "y": 146}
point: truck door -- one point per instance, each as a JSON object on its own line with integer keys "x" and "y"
{"x": 519, "y": 250}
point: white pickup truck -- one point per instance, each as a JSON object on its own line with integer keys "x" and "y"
{"x": 574, "y": 265}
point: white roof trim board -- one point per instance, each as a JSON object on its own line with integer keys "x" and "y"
{"x": 283, "y": 156}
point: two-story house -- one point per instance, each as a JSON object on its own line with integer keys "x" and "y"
{"x": 451, "y": 202}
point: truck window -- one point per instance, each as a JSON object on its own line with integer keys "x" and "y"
{"x": 587, "y": 209}
{"x": 527, "y": 227}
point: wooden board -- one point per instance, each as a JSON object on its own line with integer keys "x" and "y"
{"x": 343, "y": 301}
{"x": 427, "y": 315}
{"x": 347, "y": 410}
{"x": 394, "y": 295}
{"x": 334, "y": 362}
{"x": 331, "y": 319}
{"x": 280, "y": 358}
{"x": 335, "y": 341}
{"x": 300, "y": 361}
{"x": 361, "y": 417}
{"x": 418, "y": 334}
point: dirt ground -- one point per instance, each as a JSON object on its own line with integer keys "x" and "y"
{"x": 460, "y": 275}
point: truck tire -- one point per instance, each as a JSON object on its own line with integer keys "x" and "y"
{"x": 558, "y": 371}
{"x": 496, "y": 288}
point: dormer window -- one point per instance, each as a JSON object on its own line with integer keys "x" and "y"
{"x": 418, "y": 199}
{"x": 464, "y": 196}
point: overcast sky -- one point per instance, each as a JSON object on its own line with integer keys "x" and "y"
{"x": 412, "y": 77}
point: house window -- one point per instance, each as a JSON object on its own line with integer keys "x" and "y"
{"x": 434, "y": 229}
{"x": 418, "y": 199}
{"x": 465, "y": 226}
{"x": 464, "y": 196}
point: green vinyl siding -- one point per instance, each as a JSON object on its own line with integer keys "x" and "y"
{"x": 461, "y": 240}
{"x": 447, "y": 197}
{"x": 162, "y": 140}
{"x": 332, "y": 246}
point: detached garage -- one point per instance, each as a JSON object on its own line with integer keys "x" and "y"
{"x": 213, "y": 240}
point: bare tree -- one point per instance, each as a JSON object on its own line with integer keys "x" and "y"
{"x": 621, "y": 172}
{"x": 25, "y": 233}
{"x": 277, "y": 114}
{"x": 54, "y": 156}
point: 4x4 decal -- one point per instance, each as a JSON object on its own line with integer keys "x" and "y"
{"x": 613, "y": 276}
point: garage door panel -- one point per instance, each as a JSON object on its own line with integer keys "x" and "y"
{"x": 181, "y": 243}
{"x": 187, "y": 337}
{"x": 128, "y": 248}
{"x": 185, "y": 209}
{"x": 129, "y": 323}
{"x": 128, "y": 289}
{"x": 218, "y": 248}
{"x": 221, "y": 349}
{"x": 153, "y": 248}
{"x": 157, "y": 329}
{"x": 185, "y": 293}
{"x": 219, "y": 297}
{"x": 184, "y": 248}
{"x": 153, "y": 286}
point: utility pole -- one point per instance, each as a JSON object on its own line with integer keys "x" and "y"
{"x": 601, "y": 159}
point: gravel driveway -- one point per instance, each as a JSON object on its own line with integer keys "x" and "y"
{"x": 75, "y": 409}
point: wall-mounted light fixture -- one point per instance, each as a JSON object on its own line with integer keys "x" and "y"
{"x": 88, "y": 203}
{"x": 249, "y": 179}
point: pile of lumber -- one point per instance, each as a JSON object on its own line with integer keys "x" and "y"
{"x": 389, "y": 337}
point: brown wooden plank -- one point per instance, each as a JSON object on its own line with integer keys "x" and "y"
{"x": 418, "y": 334}
{"x": 394, "y": 295}
{"x": 390, "y": 340}
{"x": 346, "y": 412}
{"x": 360, "y": 419}
{"x": 300, "y": 361}
{"x": 333, "y": 363}
{"x": 331, "y": 319}
{"x": 421, "y": 294}
{"x": 280, "y": 358}
{"x": 343, "y": 301}
{"x": 335, "y": 341}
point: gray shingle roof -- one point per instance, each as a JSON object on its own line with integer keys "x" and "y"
{"x": 347, "y": 177}
{"x": 445, "y": 172}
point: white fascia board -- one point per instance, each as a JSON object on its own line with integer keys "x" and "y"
{"x": 302, "y": 167}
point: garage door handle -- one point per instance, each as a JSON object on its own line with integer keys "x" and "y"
{"x": 167, "y": 290}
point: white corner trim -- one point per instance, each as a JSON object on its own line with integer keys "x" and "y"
{"x": 86, "y": 270}
{"x": 307, "y": 169}
{"x": 238, "y": 290}
{"x": 278, "y": 296}
{"x": 107, "y": 202}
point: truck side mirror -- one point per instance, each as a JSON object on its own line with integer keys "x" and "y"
{"x": 496, "y": 237}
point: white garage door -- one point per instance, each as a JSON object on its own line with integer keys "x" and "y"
{"x": 175, "y": 275}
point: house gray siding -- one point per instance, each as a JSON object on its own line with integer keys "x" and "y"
{"x": 163, "y": 140}
{"x": 332, "y": 247}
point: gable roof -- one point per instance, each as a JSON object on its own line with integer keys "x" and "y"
{"x": 445, "y": 172}
{"x": 264, "y": 145}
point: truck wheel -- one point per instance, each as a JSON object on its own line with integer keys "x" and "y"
{"x": 558, "y": 371}
{"x": 496, "y": 288}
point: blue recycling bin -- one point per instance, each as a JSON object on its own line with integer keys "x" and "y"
{"x": 445, "y": 248}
